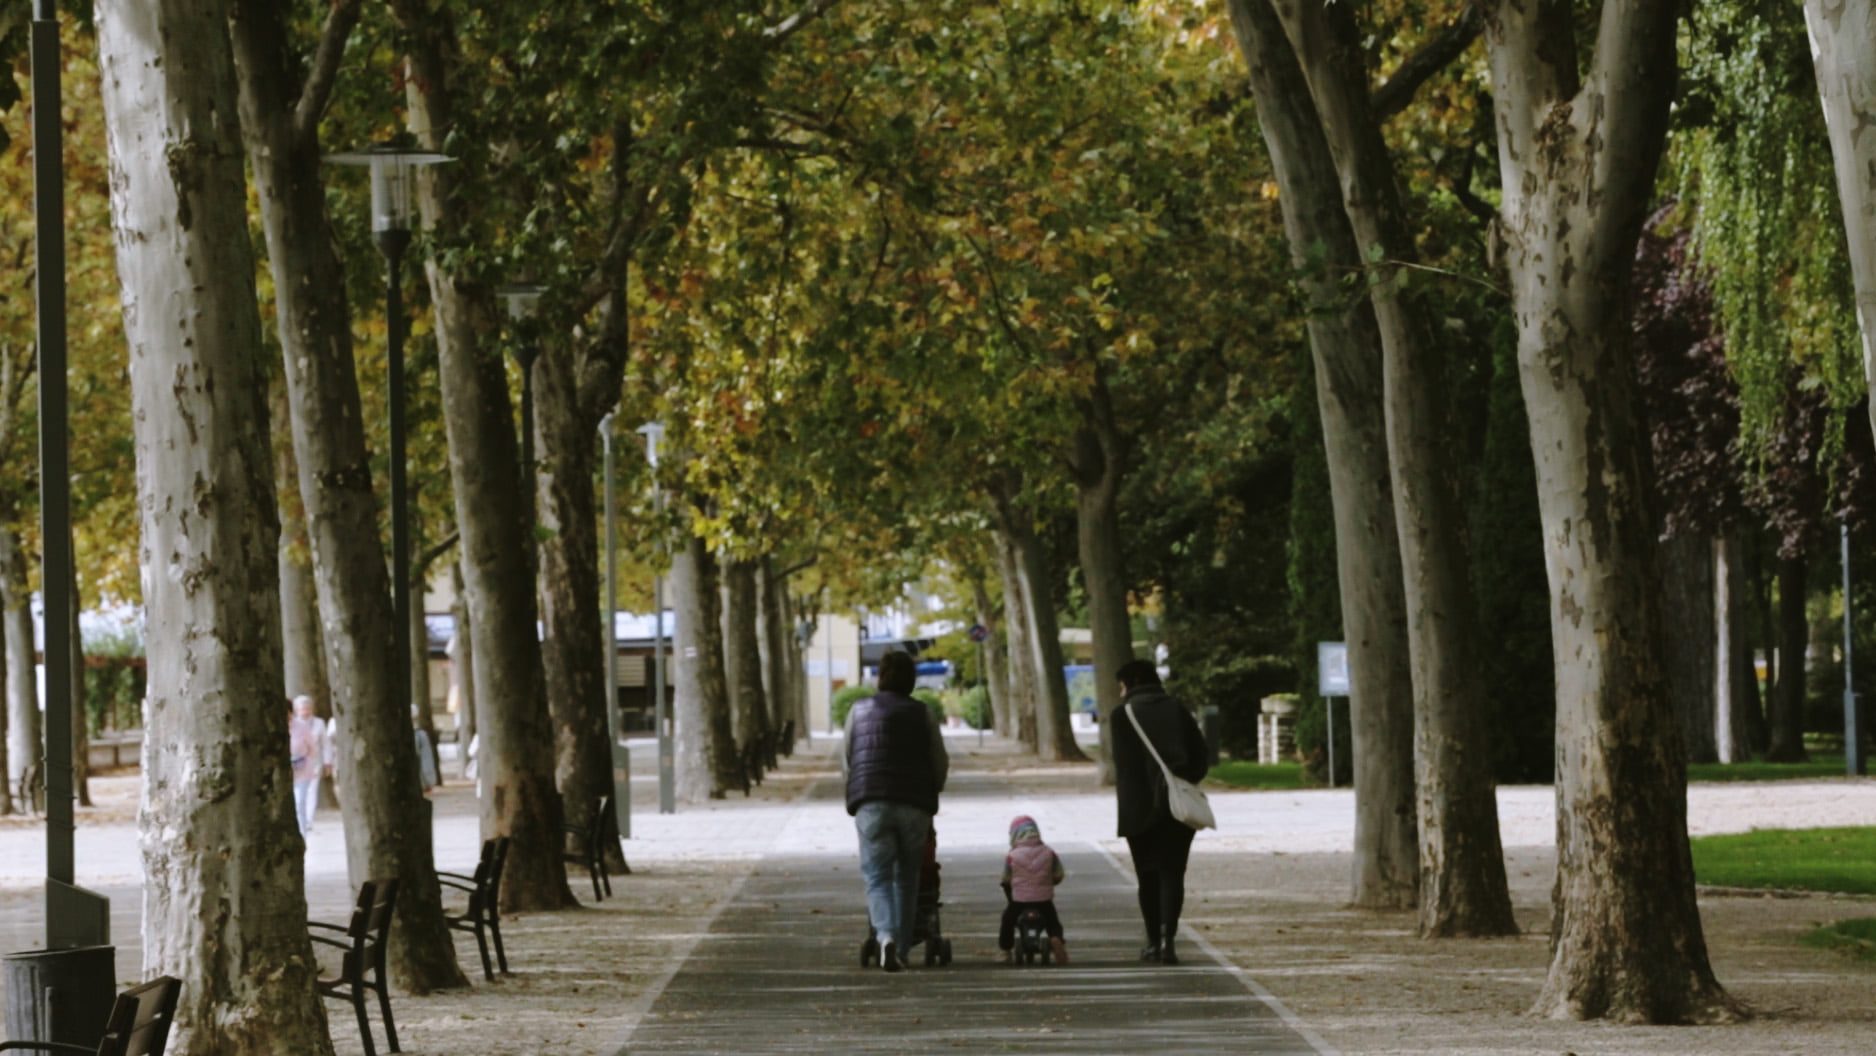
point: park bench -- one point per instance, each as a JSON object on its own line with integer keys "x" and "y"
{"x": 361, "y": 968}
{"x": 138, "y": 1024}
{"x": 482, "y": 916}
{"x": 590, "y": 843}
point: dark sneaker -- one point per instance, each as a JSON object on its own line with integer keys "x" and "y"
{"x": 889, "y": 958}
{"x": 1150, "y": 954}
{"x": 1168, "y": 955}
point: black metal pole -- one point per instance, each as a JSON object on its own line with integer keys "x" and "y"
{"x": 75, "y": 918}
{"x": 1854, "y": 762}
{"x": 392, "y": 244}
{"x": 55, "y": 493}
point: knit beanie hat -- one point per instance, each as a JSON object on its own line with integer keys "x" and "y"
{"x": 1023, "y": 829}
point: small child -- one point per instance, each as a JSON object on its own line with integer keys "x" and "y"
{"x": 1030, "y": 873}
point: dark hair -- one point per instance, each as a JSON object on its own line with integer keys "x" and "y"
{"x": 1136, "y": 673}
{"x": 897, "y": 672}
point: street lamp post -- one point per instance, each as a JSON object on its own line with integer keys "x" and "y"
{"x": 667, "y": 756}
{"x": 393, "y": 167}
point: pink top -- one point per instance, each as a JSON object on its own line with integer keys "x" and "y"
{"x": 305, "y": 748}
{"x": 1034, "y": 871}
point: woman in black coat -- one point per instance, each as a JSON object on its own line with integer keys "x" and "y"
{"x": 1159, "y": 842}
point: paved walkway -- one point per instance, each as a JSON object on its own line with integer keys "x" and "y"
{"x": 778, "y": 971}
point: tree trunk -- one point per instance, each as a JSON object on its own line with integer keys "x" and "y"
{"x": 1346, "y": 346}
{"x": 1019, "y": 723}
{"x": 1055, "y": 736}
{"x": 462, "y": 670}
{"x": 1578, "y": 152}
{"x": 995, "y": 672}
{"x": 1794, "y": 634}
{"x": 1843, "y": 50}
{"x": 303, "y": 661}
{"x": 1688, "y": 664}
{"x": 574, "y": 649}
{"x": 421, "y": 716}
{"x": 1098, "y": 470}
{"x": 1462, "y": 872}
{"x": 224, "y": 899}
{"x": 706, "y": 744}
{"x": 742, "y": 664}
{"x": 517, "y": 747}
{"x": 25, "y": 743}
{"x": 1735, "y": 683}
{"x": 6, "y": 728}
{"x": 387, "y": 820}
{"x": 777, "y": 636}
{"x": 81, "y": 740}
{"x": 1761, "y": 638}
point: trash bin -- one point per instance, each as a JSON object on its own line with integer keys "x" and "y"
{"x": 60, "y": 995}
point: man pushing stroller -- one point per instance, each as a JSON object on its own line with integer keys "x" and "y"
{"x": 895, "y": 762}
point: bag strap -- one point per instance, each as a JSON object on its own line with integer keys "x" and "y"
{"x": 1144, "y": 739}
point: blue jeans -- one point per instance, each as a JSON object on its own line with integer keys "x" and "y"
{"x": 892, "y": 848}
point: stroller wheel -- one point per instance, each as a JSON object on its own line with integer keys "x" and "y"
{"x": 931, "y": 954}
{"x": 869, "y": 952}
{"x": 944, "y": 952}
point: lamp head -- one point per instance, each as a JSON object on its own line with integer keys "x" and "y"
{"x": 393, "y": 166}
{"x": 653, "y": 432}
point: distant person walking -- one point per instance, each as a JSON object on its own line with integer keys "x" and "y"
{"x": 1159, "y": 842}
{"x": 895, "y": 764}
{"x": 306, "y": 743}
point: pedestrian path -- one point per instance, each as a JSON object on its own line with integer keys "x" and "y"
{"x": 779, "y": 972}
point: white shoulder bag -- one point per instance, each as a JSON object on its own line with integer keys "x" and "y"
{"x": 1186, "y": 801}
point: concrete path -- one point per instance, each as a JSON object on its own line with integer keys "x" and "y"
{"x": 779, "y": 972}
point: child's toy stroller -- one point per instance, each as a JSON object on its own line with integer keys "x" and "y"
{"x": 927, "y": 923}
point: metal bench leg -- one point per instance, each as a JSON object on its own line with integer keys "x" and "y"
{"x": 364, "y": 1025}
{"x": 482, "y": 947}
{"x": 384, "y": 1006}
{"x": 495, "y": 929}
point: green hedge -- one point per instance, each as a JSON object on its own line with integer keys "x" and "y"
{"x": 846, "y": 697}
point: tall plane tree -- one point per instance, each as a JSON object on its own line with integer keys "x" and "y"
{"x": 1346, "y": 345}
{"x": 1578, "y": 145}
{"x": 517, "y": 736}
{"x": 1843, "y": 48}
{"x": 224, "y": 895}
{"x": 387, "y": 821}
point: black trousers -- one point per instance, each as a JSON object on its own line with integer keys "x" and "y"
{"x": 1159, "y": 860}
{"x": 1006, "y": 932}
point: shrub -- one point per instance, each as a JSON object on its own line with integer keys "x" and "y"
{"x": 844, "y": 698}
{"x": 932, "y": 700}
{"x": 974, "y": 707}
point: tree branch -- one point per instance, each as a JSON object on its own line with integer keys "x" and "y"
{"x": 428, "y": 558}
{"x": 317, "y": 91}
{"x": 1435, "y": 55}
{"x": 794, "y": 23}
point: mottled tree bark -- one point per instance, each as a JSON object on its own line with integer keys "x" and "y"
{"x": 1578, "y": 146}
{"x": 224, "y": 900}
{"x": 706, "y": 744}
{"x": 776, "y": 638}
{"x": 1786, "y": 722}
{"x": 1843, "y": 51}
{"x": 516, "y": 763}
{"x": 1019, "y": 723}
{"x": 462, "y": 669}
{"x": 25, "y": 742}
{"x": 1346, "y": 345}
{"x": 1687, "y": 593}
{"x": 1055, "y": 736}
{"x": 1737, "y": 707}
{"x": 386, "y": 819}
{"x": 995, "y": 667}
{"x": 574, "y": 649}
{"x": 1098, "y": 471}
{"x": 742, "y": 663}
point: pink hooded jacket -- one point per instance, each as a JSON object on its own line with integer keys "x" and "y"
{"x": 1031, "y": 869}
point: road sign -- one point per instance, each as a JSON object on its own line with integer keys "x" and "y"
{"x": 979, "y": 632}
{"x": 1332, "y": 669}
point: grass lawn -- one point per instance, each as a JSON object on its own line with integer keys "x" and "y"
{"x": 1820, "y": 765}
{"x": 1854, "y": 937}
{"x": 1239, "y": 774}
{"x": 1840, "y": 860}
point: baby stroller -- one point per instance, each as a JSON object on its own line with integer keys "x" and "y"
{"x": 927, "y": 924}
